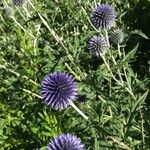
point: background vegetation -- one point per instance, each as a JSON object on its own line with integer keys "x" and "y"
{"x": 50, "y": 36}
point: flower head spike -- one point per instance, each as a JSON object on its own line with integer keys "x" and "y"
{"x": 19, "y": 2}
{"x": 65, "y": 142}
{"x": 97, "y": 45}
{"x": 116, "y": 36}
{"x": 58, "y": 90}
{"x": 103, "y": 16}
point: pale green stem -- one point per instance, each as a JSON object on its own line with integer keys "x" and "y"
{"x": 95, "y": 3}
{"x": 84, "y": 11}
{"x": 128, "y": 83}
{"x": 131, "y": 93}
{"x": 119, "y": 73}
{"x": 35, "y": 40}
{"x": 34, "y": 94}
{"x": 110, "y": 111}
{"x": 10, "y": 70}
{"x": 110, "y": 92}
{"x": 32, "y": 5}
{"x": 62, "y": 44}
{"x": 18, "y": 75}
{"x": 108, "y": 67}
{"x": 107, "y": 38}
{"x": 21, "y": 14}
{"x": 27, "y": 12}
{"x": 102, "y": 99}
{"x": 120, "y": 143}
{"x": 78, "y": 110}
{"x": 59, "y": 41}
{"x": 13, "y": 18}
{"x": 76, "y": 76}
{"x": 119, "y": 50}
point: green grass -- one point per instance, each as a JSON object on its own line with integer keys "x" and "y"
{"x": 51, "y": 36}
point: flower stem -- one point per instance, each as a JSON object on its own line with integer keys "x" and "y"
{"x": 79, "y": 111}
{"x": 119, "y": 83}
{"x": 19, "y": 75}
{"x": 107, "y": 38}
{"x": 58, "y": 39}
{"x": 114, "y": 61}
{"x": 119, "y": 73}
{"x": 119, "y": 50}
{"x": 14, "y": 19}
{"x": 34, "y": 94}
{"x": 108, "y": 67}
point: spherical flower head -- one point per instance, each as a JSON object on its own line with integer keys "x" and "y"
{"x": 65, "y": 142}
{"x": 19, "y": 2}
{"x": 97, "y": 46}
{"x": 116, "y": 36}
{"x": 103, "y": 16}
{"x": 58, "y": 90}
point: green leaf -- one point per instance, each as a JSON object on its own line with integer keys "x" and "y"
{"x": 138, "y": 32}
{"x": 130, "y": 55}
{"x": 96, "y": 145}
{"x": 140, "y": 100}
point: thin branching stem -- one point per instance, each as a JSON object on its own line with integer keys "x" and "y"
{"x": 59, "y": 40}
{"x": 18, "y": 74}
{"x": 113, "y": 59}
{"x": 119, "y": 73}
{"x": 30, "y": 92}
{"x": 14, "y": 19}
{"x": 108, "y": 67}
{"x": 107, "y": 37}
{"x": 118, "y": 47}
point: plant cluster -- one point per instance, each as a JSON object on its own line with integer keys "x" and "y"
{"x": 89, "y": 64}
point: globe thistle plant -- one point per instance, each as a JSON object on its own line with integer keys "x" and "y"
{"x": 97, "y": 46}
{"x": 65, "y": 142}
{"x": 58, "y": 90}
{"x": 19, "y": 2}
{"x": 116, "y": 36}
{"x": 103, "y": 16}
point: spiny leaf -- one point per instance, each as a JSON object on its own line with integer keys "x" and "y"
{"x": 140, "y": 100}
{"x": 130, "y": 55}
{"x": 140, "y": 33}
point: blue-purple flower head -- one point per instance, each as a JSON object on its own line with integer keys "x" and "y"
{"x": 103, "y": 16}
{"x": 59, "y": 90}
{"x": 65, "y": 142}
{"x": 19, "y": 2}
{"x": 97, "y": 45}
